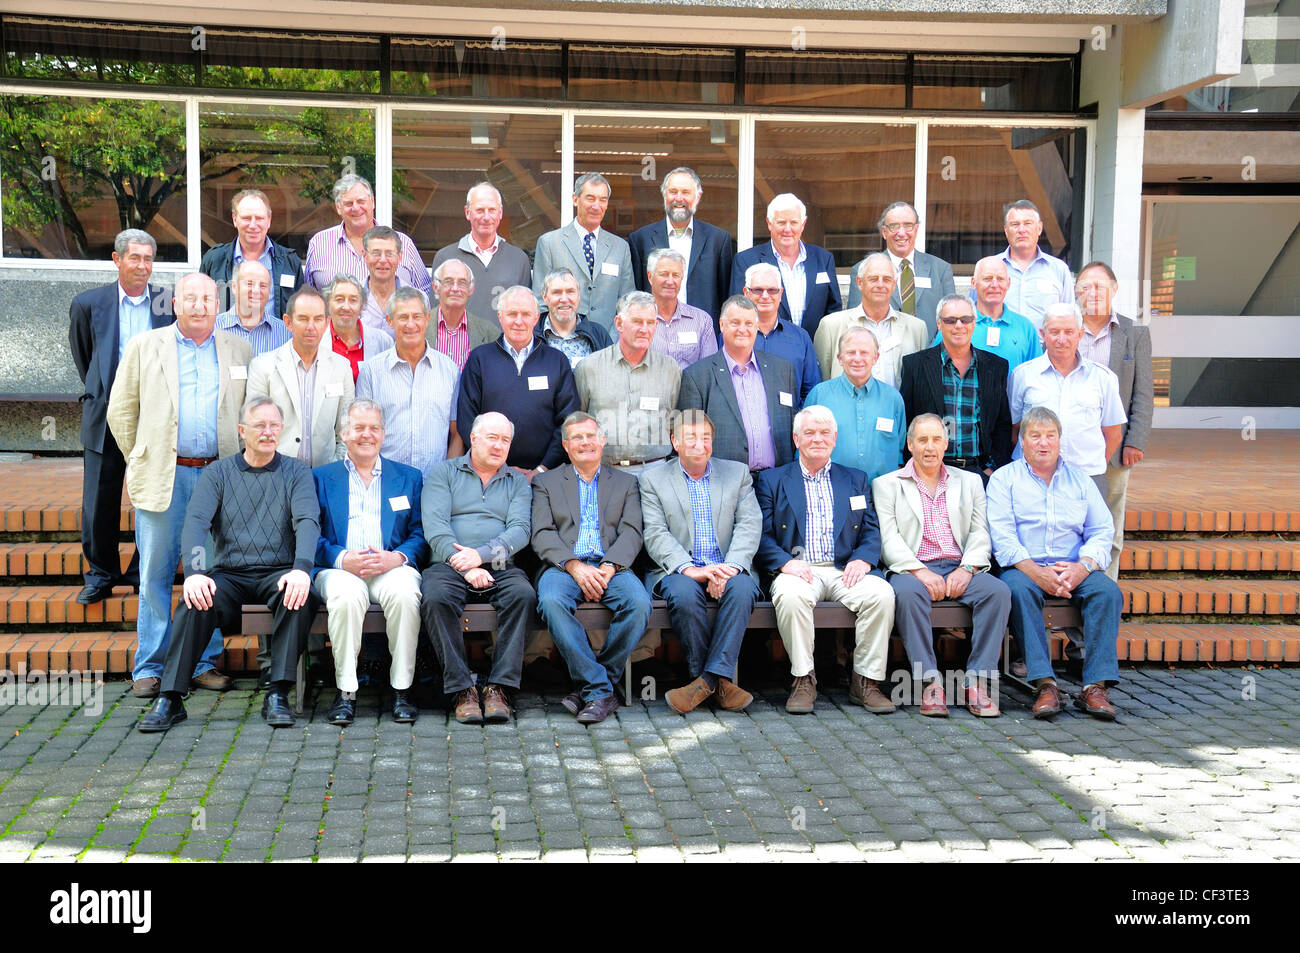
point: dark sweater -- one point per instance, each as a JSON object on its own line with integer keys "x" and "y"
{"x": 260, "y": 517}
{"x": 490, "y": 382}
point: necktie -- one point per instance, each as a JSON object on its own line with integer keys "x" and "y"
{"x": 587, "y": 253}
{"x": 907, "y": 288}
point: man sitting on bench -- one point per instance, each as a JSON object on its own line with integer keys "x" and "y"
{"x": 936, "y": 545}
{"x": 264, "y": 519}
{"x": 371, "y": 547}
{"x": 1053, "y": 532}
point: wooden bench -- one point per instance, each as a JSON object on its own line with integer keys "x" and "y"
{"x": 479, "y": 618}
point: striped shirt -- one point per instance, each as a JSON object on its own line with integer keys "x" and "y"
{"x": 364, "y": 525}
{"x": 686, "y": 337}
{"x": 820, "y": 538}
{"x": 961, "y": 405}
{"x": 588, "y": 545}
{"x": 454, "y": 342}
{"x": 704, "y": 540}
{"x": 747, "y": 380}
{"x": 419, "y": 406}
{"x": 265, "y": 336}
{"x": 937, "y": 541}
{"x": 794, "y": 279}
{"x": 329, "y": 253}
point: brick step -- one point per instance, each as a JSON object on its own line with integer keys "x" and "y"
{"x": 51, "y": 559}
{"x": 57, "y": 605}
{"x": 111, "y": 653}
{"x": 1139, "y": 643}
{"x": 1210, "y": 555}
{"x": 52, "y": 518}
{"x": 1154, "y": 596}
{"x": 1174, "y": 520}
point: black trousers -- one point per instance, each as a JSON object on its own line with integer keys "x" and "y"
{"x": 101, "y": 516}
{"x": 193, "y": 628}
{"x": 444, "y": 592}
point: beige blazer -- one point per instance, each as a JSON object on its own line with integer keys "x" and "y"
{"x": 275, "y": 375}
{"x": 898, "y": 507}
{"x": 911, "y": 338}
{"x": 142, "y": 410}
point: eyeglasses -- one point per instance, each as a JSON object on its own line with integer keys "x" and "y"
{"x": 764, "y": 292}
{"x": 269, "y": 427}
{"x": 383, "y": 255}
{"x": 963, "y": 320}
{"x": 897, "y": 227}
{"x": 453, "y": 283}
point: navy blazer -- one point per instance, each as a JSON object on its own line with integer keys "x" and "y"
{"x": 706, "y": 385}
{"x": 93, "y": 330}
{"x": 707, "y": 273}
{"x": 219, "y": 263}
{"x": 820, "y": 298}
{"x": 784, "y": 504}
{"x": 402, "y": 528}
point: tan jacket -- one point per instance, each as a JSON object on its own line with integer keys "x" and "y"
{"x": 911, "y": 338}
{"x": 898, "y": 507}
{"x": 275, "y": 375}
{"x": 142, "y": 410}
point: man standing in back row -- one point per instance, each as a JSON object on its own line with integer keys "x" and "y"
{"x": 922, "y": 279}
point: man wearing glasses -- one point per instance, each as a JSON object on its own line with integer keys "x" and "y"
{"x": 775, "y": 334}
{"x": 965, "y": 386}
{"x": 930, "y": 278}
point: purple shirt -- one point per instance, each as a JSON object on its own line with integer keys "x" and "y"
{"x": 751, "y": 396}
{"x": 330, "y": 253}
{"x": 686, "y": 337}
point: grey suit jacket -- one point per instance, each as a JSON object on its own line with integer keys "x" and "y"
{"x": 562, "y": 248}
{"x": 556, "y": 513}
{"x": 669, "y": 526}
{"x": 706, "y": 385}
{"x": 939, "y": 273}
{"x": 1130, "y": 359}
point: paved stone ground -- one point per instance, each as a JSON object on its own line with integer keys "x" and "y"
{"x": 1192, "y": 770}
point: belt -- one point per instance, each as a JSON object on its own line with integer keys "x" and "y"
{"x": 639, "y": 463}
{"x": 964, "y": 463}
{"x": 196, "y": 462}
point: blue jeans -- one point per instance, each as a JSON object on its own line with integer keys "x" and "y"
{"x": 558, "y": 595}
{"x": 1100, "y": 603}
{"x": 709, "y": 650}
{"x": 158, "y": 541}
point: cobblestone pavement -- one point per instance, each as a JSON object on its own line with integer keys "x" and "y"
{"x": 1195, "y": 768}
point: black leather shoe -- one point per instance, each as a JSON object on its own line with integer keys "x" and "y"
{"x": 573, "y": 702}
{"x": 404, "y": 710}
{"x": 276, "y": 711}
{"x": 165, "y": 713}
{"x": 598, "y": 710}
{"x": 343, "y": 712}
{"x": 97, "y": 592}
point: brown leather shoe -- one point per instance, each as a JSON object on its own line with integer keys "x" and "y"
{"x": 979, "y": 703}
{"x": 866, "y": 692}
{"x": 496, "y": 706}
{"x": 213, "y": 681}
{"x": 1048, "y": 702}
{"x": 146, "y": 687}
{"x": 1095, "y": 700}
{"x": 933, "y": 704}
{"x": 803, "y": 695}
{"x": 467, "y": 708}
{"x": 689, "y": 697}
{"x": 731, "y": 697}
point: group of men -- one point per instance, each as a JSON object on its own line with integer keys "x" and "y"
{"x": 649, "y": 404}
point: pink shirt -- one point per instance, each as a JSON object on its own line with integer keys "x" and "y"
{"x": 937, "y": 541}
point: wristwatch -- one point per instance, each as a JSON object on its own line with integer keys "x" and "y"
{"x": 1087, "y": 563}
{"x": 970, "y": 569}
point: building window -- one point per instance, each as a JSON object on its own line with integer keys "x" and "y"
{"x": 77, "y": 170}
{"x": 476, "y": 69}
{"x": 259, "y": 59}
{"x": 974, "y": 171}
{"x": 651, "y": 74}
{"x": 85, "y": 51}
{"x": 825, "y": 80}
{"x": 999, "y": 83}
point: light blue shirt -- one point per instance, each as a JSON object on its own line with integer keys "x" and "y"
{"x": 199, "y": 382}
{"x": 132, "y": 319}
{"x": 795, "y": 281}
{"x": 520, "y": 357}
{"x": 1085, "y": 400}
{"x": 704, "y": 540}
{"x": 872, "y": 423}
{"x": 1014, "y": 338}
{"x": 365, "y": 520}
{"x": 588, "y": 545}
{"x": 419, "y": 406}
{"x": 265, "y": 336}
{"x": 1046, "y": 281}
{"x": 1064, "y": 520}
{"x": 270, "y": 311}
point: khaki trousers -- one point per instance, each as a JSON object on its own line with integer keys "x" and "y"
{"x": 872, "y": 600}
{"x": 1116, "y": 498}
{"x": 347, "y": 597}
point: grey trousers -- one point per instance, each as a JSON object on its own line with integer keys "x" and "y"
{"x": 990, "y": 603}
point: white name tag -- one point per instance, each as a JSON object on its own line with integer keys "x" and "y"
{"x": 787, "y": 400}
{"x": 687, "y": 337}
{"x": 885, "y": 423}
{"x": 823, "y": 278}
{"x": 286, "y": 281}
{"x": 239, "y": 372}
{"x": 921, "y": 281}
{"x": 857, "y": 502}
{"x": 649, "y": 403}
{"x": 609, "y": 268}
{"x": 994, "y": 336}
{"x": 399, "y": 503}
{"x": 537, "y": 383}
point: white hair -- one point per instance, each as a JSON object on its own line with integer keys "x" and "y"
{"x": 787, "y": 200}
